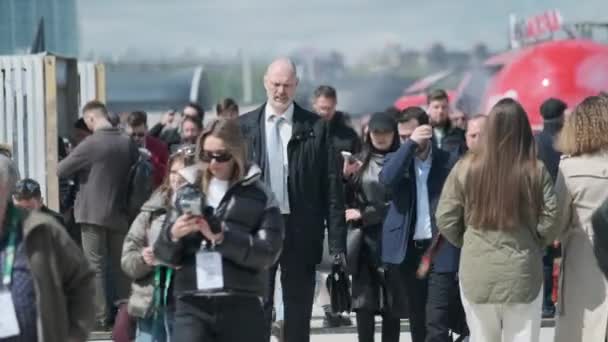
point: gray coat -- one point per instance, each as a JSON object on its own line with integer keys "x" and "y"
{"x": 102, "y": 162}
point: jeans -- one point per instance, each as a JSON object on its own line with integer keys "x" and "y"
{"x": 155, "y": 330}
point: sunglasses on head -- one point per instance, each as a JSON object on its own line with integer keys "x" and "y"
{"x": 220, "y": 157}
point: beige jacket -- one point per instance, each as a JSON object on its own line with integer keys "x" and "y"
{"x": 497, "y": 266}
{"x": 581, "y": 187}
{"x": 146, "y": 225}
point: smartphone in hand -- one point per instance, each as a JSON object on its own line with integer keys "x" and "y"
{"x": 348, "y": 157}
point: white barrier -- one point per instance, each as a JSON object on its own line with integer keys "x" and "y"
{"x": 22, "y": 114}
{"x": 37, "y": 94}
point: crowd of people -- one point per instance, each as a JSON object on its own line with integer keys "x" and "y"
{"x": 229, "y": 231}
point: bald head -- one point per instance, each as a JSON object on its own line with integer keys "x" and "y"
{"x": 281, "y": 81}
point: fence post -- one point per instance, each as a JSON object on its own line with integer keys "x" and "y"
{"x": 50, "y": 95}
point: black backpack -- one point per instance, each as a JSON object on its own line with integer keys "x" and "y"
{"x": 141, "y": 184}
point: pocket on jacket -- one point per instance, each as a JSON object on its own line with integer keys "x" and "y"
{"x": 140, "y": 301}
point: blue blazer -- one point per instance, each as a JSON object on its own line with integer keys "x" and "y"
{"x": 399, "y": 176}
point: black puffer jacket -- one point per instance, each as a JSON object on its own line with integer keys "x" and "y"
{"x": 253, "y": 236}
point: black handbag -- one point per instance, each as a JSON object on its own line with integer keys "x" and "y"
{"x": 338, "y": 286}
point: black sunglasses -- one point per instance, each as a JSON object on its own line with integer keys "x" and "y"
{"x": 220, "y": 157}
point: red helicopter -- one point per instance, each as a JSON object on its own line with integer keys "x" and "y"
{"x": 536, "y": 69}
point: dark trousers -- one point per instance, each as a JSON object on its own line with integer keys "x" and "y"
{"x": 219, "y": 319}
{"x": 298, "y": 280}
{"x": 548, "y": 260}
{"x": 417, "y": 289}
{"x": 443, "y": 298}
{"x": 366, "y": 324}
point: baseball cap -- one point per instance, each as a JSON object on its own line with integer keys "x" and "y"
{"x": 382, "y": 122}
{"x": 27, "y": 188}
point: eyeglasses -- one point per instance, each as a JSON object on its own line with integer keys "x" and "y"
{"x": 220, "y": 157}
{"x": 138, "y": 135}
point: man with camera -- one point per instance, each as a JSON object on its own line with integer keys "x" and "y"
{"x": 298, "y": 161}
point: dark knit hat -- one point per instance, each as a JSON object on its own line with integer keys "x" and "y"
{"x": 553, "y": 109}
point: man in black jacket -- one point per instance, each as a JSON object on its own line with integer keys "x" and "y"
{"x": 344, "y": 139}
{"x": 445, "y": 136}
{"x": 294, "y": 150}
{"x": 552, "y": 111}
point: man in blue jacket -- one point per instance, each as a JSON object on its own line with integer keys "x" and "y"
{"x": 415, "y": 174}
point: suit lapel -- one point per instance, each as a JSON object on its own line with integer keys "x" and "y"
{"x": 299, "y": 123}
{"x": 260, "y": 142}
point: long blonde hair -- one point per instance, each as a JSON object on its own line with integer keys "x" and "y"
{"x": 230, "y": 133}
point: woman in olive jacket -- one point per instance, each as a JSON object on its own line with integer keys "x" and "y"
{"x": 499, "y": 205}
{"x": 248, "y": 242}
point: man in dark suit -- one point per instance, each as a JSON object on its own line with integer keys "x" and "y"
{"x": 415, "y": 174}
{"x": 293, "y": 148}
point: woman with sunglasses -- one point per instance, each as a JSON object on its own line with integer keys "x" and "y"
{"x": 221, "y": 273}
{"x": 151, "y": 300}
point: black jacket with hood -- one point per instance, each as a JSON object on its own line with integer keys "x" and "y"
{"x": 253, "y": 236}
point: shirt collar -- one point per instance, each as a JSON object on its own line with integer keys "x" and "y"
{"x": 288, "y": 115}
{"x": 427, "y": 162}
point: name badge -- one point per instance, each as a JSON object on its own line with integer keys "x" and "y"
{"x": 209, "y": 271}
{"x": 9, "y": 326}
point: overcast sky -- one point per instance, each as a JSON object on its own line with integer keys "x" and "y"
{"x": 168, "y": 27}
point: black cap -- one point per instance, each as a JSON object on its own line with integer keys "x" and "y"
{"x": 383, "y": 122}
{"x": 27, "y": 188}
{"x": 552, "y": 109}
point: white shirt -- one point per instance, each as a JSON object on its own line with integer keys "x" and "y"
{"x": 286, "y": 127}
{"x": 423, "y": 213}
{"x": 215, "y": 193}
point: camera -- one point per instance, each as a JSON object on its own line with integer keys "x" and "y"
{"x": 189, "y": 199}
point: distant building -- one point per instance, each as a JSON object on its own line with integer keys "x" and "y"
{"x": 19, "y": 22}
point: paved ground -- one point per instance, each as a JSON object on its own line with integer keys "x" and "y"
{"x": 546, "y": 336}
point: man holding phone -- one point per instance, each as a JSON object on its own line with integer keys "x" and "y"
{"x": 415, "y": 174}
{"x": 346, "y": 143}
